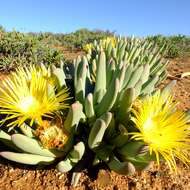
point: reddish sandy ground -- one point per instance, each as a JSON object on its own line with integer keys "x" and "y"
{"x": 12, "y": 177}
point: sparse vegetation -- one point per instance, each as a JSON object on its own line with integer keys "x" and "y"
{"x": 75, "y": 39}
{"x": 178, "y": 45}
{"x": 22, "y": 49}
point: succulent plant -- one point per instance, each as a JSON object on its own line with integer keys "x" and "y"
{"x": 152, "y": 135}
{"x": 104, "y": 43}
{"x": 115, "y": 111}
{"x": 40, "y": 130}
{"x": 108, "y": 83}
{"x": 26, "y": 147}
{"x": 127, "y": 49}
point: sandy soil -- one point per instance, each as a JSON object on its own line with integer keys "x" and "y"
{"x": 15, "y": 177}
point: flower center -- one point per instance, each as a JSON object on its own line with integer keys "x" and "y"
{"x": 51, "y": 135}
{"x": 152, "y": 132}
{"x": 29, "y": 104}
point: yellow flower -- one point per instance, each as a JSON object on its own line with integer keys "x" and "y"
{"x": 29, "y": 94}
{"x": 88, "y": 47}
{"x": 163, "y": 128}
{"x": 105, "y": 42}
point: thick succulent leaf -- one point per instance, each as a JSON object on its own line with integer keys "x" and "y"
{"x": 79, "y": 91}
{"x": 65, "y": 166}
{"x": 125, "y": 105}
{"x": 132, "y": 53}
{"x": 124, "y": 168}
{"x": 109, "y": 49}
{"x": 122, "y": 138}
{"x": 138, "y": 88}
{"x": 160, "y": 68}
{"x": 135, "y": 76}
{"x": 6, "y": 139}
{"x": 89, "y": 107}
{"x": 140, "y": 163}
{"x": 72, "y": 158}
{"x": 32, "y": 146}
{"x": 111, "y": 67}
{"x": 99, "y": 96}
{"x": 100, "y": 75}
{"x": 114, "y": 53}
{"x": 132, "y": 149}
{"x": 121, "y": 51}
{"x": 59, "y": 73}
{"x": 109, "y": 99}
{"x": 162, "y": 76}
{"x": 29, "y": 159}
{"x": 128, "y": 73}
{"x": 74, "y": 116}
{"x": 80, "y": 73}
{"x": 79, "y": 68}
{"x": 76, "y": 154}
{"x": 110, "y": 131}
{"x": 104, "y": 152}
{"x": 146, "y": 73}
{"x": 148, "y": 87}
{"x": 106, "y": 118}
{"x": 122, "y": 75}
{"x": 96, "y": 133}
{"x": 81, "y": 80}
{"x": 76, "y": 66}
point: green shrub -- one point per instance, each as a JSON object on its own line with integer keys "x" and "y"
{"x": 17, "y": 48}
{"x": 75, "y": 39}
{"x": 177, "y": 46}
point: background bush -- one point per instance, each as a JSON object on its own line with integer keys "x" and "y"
{"x": 177, "y": 46}
{"x": 18, "y": 48}
{"x": 73, "y": 40}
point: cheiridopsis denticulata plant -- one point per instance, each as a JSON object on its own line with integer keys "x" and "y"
{"x": 108, "y": 81}
{"x": 114, "y": 113}
{"x": 41, "y": 118}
